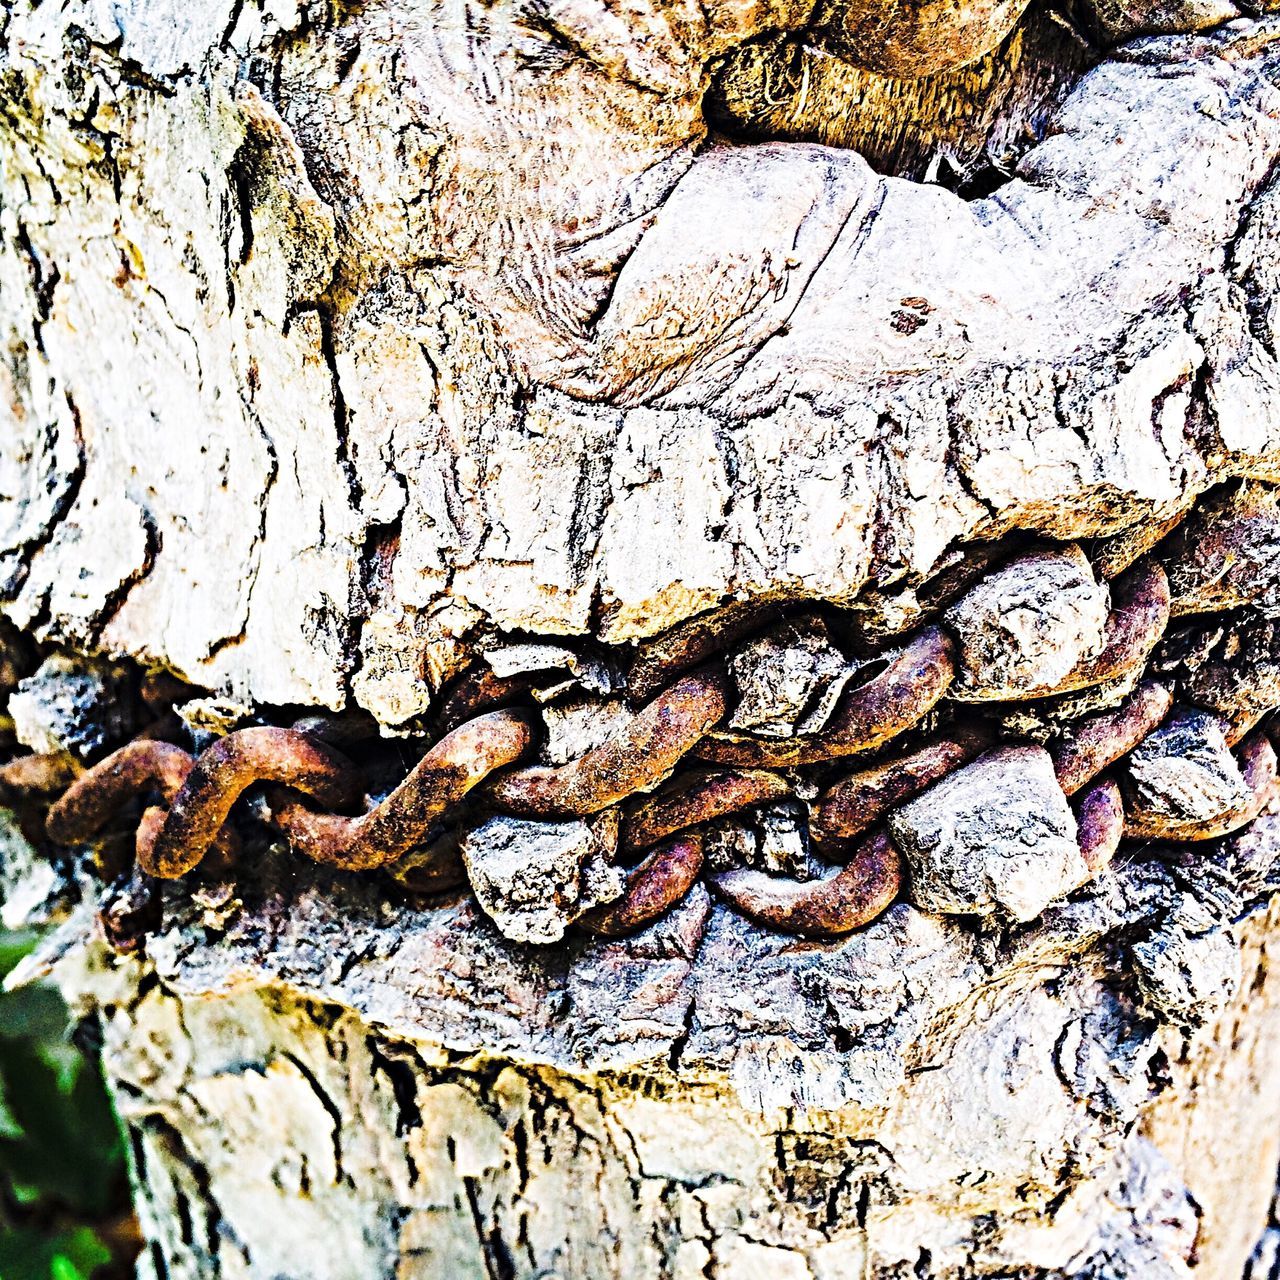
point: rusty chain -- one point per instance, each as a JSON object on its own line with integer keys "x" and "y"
{"x": 315, "y": 795}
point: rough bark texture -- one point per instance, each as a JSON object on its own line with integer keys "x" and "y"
{"x": 324, "y": 1083}
{"x": 344, "y": 341}
{"x": 433, "y": 327}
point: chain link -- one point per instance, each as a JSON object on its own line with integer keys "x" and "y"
{"x": 315, "y": 795}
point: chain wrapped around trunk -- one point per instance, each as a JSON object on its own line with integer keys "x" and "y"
{"x": 1154, "y": 735}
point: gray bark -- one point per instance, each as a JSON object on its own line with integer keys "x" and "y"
{"x": 320, "y": 1082}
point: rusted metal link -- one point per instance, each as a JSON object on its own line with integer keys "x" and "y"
{"x": 475, "y": 692}
{"x": 661, "y": 659}
{"x": 703, "y": 798}
{"x": 223, "y": 853}
{"x": 652, "y": 742}
{"x": 222, "y": 773}
{"x": 1101, "y": 739}
{"x": 856, "y": 803}
{"x": 384, "y": 834}
{"x": 868, "y": 715}
{"x": 144, "y": 765}
{"x": 856, "y": 894}
{"x": 39, "y": 775}
{"x": 1099, "y": 824}
{"x": 654, "y": 886}
{"x": 1257, "y": 760}
{"x": 91, "y": 800}
{"x": 1134, "y": 627}
{"x": 149, "y": 825}
{"x": 337, "y": 729}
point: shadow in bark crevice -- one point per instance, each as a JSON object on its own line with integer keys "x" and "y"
{"x": 963, "y": 129}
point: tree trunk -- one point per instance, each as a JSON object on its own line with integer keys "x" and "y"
{"x": 321, "y": 1084}
{"x": 373, "y": 364}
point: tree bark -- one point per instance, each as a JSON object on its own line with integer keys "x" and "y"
{"x": 320, "y": 1082}
{"x": 346, "y": 343}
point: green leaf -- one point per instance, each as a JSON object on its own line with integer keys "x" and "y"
{"x": 58, "y": 1132}
{"x": 14, "y": 946}
{"x": 9, "y": 1126}
{"x": 32, "y": 1013}
{"x": 61, "y": 1149}
{"x": 69, "y": 1144}
{"x": 69, "y": 1255}
{"x": 64, "y": 1060}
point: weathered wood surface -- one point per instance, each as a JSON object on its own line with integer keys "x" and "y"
{"x": 321, "y": 1082}
{"x": 436, "y": 322}
{"x": 338, "y": 336}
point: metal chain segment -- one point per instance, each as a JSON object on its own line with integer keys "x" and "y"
{"x": 1257, "y": 760}
{"x": 200, "y": 793}
{"x": 1101, "y": 739}
{"x": 440, "y": 780}
{"x": 857, "y": 802}
{"x": 897, "y": 699}
{"x": 707, "y": 797}
{"x": 219, "y": 776}
{"x": 652, "y": 743}
{"x": 144, "y": 765}
{"x": 1099, "y": 823}
{"x": 1134, "y": 626}
{"x": 654, "y": 886}
{"x": 853, "y": 896}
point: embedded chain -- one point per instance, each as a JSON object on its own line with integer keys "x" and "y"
{"x": 315, "y": 796}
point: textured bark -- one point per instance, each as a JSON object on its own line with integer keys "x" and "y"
{"x": 345, "y": 341}
{"x": 321, "y": 1082}
{"x": 291, "y": 291}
